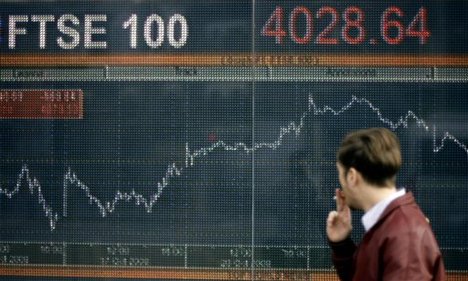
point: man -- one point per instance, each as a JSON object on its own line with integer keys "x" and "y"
{"x": 398, "y": 243}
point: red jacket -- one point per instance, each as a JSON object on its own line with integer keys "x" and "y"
{"x": 399, "y": 247}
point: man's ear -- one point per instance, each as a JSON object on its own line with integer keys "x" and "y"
{"x": 353, "y": 176}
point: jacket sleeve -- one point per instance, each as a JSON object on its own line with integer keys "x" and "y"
{"x": 342, "y": 257}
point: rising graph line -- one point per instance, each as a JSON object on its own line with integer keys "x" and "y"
{"x": 105, "y": 208}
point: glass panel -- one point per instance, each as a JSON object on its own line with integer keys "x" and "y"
{"x": 196, "y": 140}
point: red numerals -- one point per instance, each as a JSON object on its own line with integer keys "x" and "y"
{"x": 301, "y": 11}
{"x": 332, "y": 27}
{"x": 418, "y": 27}
{"x": 354, "y": 21}
{"x": 393, "y": 30}
{"x": 325, "y": 37}
{"x": 274, "y": 26}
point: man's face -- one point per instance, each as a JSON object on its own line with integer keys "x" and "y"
{"x": 341, "y": 174}
{"x": 346, "y": 190}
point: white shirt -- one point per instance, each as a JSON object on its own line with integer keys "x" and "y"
{"x": 371, "y": 217}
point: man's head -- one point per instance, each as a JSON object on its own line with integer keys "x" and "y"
{"x": 374, "y": 153}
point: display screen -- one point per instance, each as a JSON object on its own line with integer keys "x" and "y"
{"x": 196, "y": 140}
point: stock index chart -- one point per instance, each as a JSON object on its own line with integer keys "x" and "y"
{"x": 179, "y": 140}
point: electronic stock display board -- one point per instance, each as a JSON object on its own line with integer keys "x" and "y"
{"x": 196, "y": 140}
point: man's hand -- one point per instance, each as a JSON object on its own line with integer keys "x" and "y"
{"x": 339, "y": 222}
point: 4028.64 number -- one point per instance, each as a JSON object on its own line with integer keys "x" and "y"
{"x": 347, "y": 26}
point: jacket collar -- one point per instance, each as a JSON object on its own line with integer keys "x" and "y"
{"x": 406, "y": 199}
{"x": 372, "y": 216}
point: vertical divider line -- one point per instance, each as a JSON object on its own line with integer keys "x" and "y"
{"x": 64, "y": 253}
{"x": 65, "y": 195}
{"x": 253, "y": 73}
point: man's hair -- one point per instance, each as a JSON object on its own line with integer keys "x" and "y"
{"x": 374, "y": 152}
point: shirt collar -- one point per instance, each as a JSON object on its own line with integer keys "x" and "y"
{"x": 371, "y": 217}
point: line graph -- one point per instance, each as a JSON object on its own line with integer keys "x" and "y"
{"x": 26, "y": 180}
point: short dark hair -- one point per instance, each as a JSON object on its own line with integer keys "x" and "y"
{"x": 374, "y": 152}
